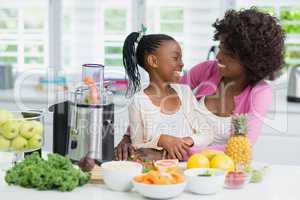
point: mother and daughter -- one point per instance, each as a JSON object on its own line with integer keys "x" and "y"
{"x": 168, "y": 120}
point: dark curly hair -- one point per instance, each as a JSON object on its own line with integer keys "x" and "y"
{"x": 256, "y": 38}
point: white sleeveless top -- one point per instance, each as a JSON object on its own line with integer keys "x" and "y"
{"x": 221, "y": 126}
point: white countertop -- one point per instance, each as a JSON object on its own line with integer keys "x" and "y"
{"x": 281, "y": 183}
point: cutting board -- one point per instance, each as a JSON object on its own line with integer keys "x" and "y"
{"x": 96, "y": 175}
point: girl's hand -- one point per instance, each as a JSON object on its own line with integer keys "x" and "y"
{"x": 176, "y": 147}
{"x": 148, "y": 154}
{"x": 124, "y": 150}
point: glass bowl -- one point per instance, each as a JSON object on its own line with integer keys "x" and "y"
{"x": 236, "y": 179}
{"x": 21, "y": 132}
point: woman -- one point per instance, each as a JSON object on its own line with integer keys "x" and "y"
{"x": 251, "y": 51}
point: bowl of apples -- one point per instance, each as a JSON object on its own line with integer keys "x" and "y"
{"x": 21, "y": 131}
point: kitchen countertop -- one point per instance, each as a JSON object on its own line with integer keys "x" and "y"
{"x": 281, "y": 183}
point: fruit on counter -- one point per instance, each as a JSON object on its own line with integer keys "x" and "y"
{"x": 35, "y": 142}
{"x": 211, "y": 153}
{"x": 248, "y": 169}
{"x": 235, "y": 179}
{"x": 222, "y": 161}
{"x": 10, "y": 129}
{"x": 166, "y": 165}
{"x": 5, "y": 116}
{"x": 198, "y": 161}
{"x": 257, "y": 174}
{"x": 211, "y": 159}
{"x": 4, "y": 144}
{"x": 20, "y": 134}
{"x": 238, "y": 145}
{"x": 154, "y": 177}
{"x": 56, "y": 173}
{"x": 87, "y": 163}
{"x": 19, "y": 143}
{"x": 30, "y": 128}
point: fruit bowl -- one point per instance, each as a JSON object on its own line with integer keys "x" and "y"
{"x": 236, "y": 179}
{"x": 21, "y": 131}
{"x": 161, "y": 183}
{"x": 205, "y": 180}
{"x": 117, "y": 175}
{"x": 159, "y": 191}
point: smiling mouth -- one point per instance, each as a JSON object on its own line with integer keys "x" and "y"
{"x": 221, "y": 65}
{"x": 178, "y": 73}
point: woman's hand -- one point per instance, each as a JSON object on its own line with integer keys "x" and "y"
{"x": 176, "y": 147}
{"x": 124, "y": 150}
{"x": 189, "y": 141}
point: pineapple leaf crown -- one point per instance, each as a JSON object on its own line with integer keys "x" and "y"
{"x": 239, "y": 123}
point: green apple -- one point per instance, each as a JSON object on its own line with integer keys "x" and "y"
{"x": 19, "y": 143}
{"x": 4, "y": 144}
{"x": 10, "y": 129}
{"x": 35, "y": 142}
{"x": 5, "y": 116}
{"x": 30, "y": 128}
{"x": 38, "y": 127}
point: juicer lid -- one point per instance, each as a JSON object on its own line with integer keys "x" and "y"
{"x": 93, "y": 65}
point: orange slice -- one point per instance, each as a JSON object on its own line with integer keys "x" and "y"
{"x": 166, "y": 165}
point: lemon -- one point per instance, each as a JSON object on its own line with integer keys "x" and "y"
{"x": 211, "y": 153}
{"x": 198, "y": 161}
{"x": 222, "y": 161}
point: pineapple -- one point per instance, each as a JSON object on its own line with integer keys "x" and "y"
{"x": 238, "y": 146}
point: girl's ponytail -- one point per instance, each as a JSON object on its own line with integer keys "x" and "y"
{"x": 130, "y": 63}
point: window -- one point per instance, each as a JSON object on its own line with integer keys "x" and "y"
{"x": 23, "y": 33}
{"x": 115, "y": 25}
{"x": 189, "y": 22}
{"x": 95, "y": 32}
{"x": 171, "y": 19}
{"x": 289, "y": 14}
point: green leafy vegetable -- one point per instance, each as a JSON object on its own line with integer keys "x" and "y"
{"x": 56, "y": 173}
{"x": 207, "y": 173}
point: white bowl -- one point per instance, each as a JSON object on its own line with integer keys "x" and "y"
{"x": 117, "y": 175}
{"x": 204, "y": 184}
{"x": 159, "y": 191}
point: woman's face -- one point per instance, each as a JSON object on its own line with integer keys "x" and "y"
{"x": 229, "y": 64}
{"x": 169, "y": 61}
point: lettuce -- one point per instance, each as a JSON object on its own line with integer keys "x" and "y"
{"x": 56, "y": 173}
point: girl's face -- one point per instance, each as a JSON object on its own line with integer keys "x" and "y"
{"x": 229, "y": 64}
{"x": 169, "y": 61}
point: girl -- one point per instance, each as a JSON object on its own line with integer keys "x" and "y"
{"x": 164, "y": 115}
